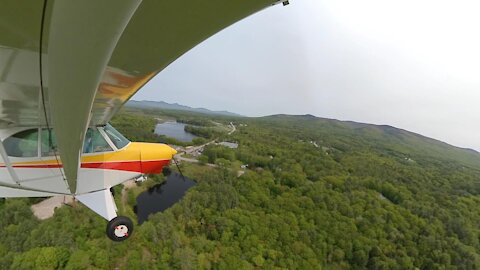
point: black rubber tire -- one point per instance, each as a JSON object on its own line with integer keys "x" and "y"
{"x": 123, "y": 225}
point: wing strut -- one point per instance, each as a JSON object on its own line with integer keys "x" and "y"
{"x": 77, "y": 59}
{"x": 8, "y": 164}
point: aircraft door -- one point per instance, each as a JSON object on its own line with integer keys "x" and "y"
{"x": 19, "y": 147}
{"x": 23, "y": 150}
{"x": 52, "y": 169}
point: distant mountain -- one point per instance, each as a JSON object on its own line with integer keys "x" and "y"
{"x": 147, "y": 104}
{"x": 383, "y": 138}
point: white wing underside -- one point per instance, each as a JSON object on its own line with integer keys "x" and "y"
{"x": 73, "y": 64}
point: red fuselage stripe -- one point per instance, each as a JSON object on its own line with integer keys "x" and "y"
{"x": 154, "y": 166}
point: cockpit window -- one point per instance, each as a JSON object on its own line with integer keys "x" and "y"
{"x": 94, "y": 142}
{"x": 48, "y": 142}
{"x": 116, "y": 137}
{"x": 22, "y": 144}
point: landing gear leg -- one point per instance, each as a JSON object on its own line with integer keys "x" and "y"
{"x": 119, "y": 228}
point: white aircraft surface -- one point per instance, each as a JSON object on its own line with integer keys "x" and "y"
{"x": 66, "y": 67}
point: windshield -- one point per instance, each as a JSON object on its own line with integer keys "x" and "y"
{"x": 118, "y": 139}
{"x": 95, "y": 142}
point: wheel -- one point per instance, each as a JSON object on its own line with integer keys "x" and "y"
{"x": 119, "y": 228}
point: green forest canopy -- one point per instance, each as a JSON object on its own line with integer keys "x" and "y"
{"x": 318, "y": 194}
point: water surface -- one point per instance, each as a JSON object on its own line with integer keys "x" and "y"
{"x": 174, "y": 130}
{"x": 162, "y": 196}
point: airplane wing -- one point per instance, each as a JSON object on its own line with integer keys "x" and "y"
{"x": 72, "y": 64}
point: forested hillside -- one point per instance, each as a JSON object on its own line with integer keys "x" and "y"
{"x": 317, "y": 194}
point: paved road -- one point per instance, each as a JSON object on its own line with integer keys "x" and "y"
{"x": 179, "y": 157}
{"x": 190, "y": 150}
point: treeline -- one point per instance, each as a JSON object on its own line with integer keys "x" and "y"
{"x": 140, "y": 126}
{"x": 136, "y": 127}
{"x": 381, "y": 203}
{"x": 214, "y": 152}
{"x": 208, "y": 133}
{"x": 201, "y": 122}
{"x": 318, "y": 194}
{"x": 374, "y": 197}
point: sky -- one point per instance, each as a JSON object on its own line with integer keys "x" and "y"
{"x": 412, "y": 64}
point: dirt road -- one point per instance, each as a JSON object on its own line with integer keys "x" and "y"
{"x": 45, "y": 209}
